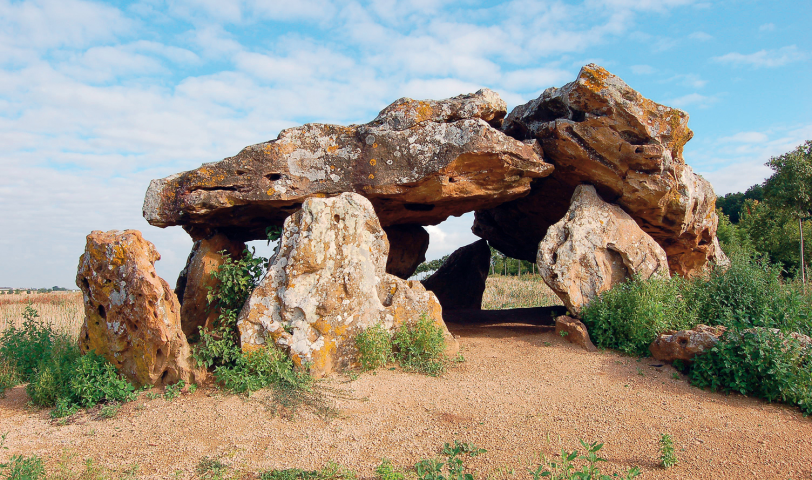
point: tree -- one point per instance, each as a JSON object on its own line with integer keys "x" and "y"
{"x": 790, "y": 188}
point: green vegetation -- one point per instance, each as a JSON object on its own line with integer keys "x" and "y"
{"x": 58, "y": 375}
{"x": 420, "y": 347}
{"x": 374, "y": 347}
{"x": 331, "y": 471}
{"x": 432, "y": 469}
{"x": 668, "y": 457}
{"x": 565, "y": 469}
{"x": 758, "y": 363}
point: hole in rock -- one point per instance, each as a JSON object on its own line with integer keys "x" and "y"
{"x": 273, "y": 176}
{"x": 337, "y": 218}
{"x": 515, "y": 297}
{"x": 102, "y": 312}
{"x": 419, "y": 207}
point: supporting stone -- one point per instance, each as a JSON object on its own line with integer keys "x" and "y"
{"x": 407, "y": 249}
{"x": 593, "y": 248}
{"x": 196, "y": 280}
{"x": 328, "y": 283}
{"x": 132, "y": 317}
{"x": 460, "y": 282}
{"x": 574, "y": 331}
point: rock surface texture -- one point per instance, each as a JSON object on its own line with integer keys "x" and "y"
{"x": 685, "y": 344}
{"x": 598, "y": 130}
{"x": 196, "y": 279}
{"x": 418, "y": 162}
{"x": 328, "y": 283}
{"x": 594, "y": 247}
{"x": 460, "y": 282}
{"x": 132, "y": 317}
{"x": 574, "y": 331}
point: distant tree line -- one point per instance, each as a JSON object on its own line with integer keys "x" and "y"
{"x": 30, "y": 291}
{"x": 775, "y": 217}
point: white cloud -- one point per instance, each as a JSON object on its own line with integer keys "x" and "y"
{"x": 767, "y": 27}
{"x": 701, "y": 36}
{"x": 765, "y": 58}
{"x": 745, "y": 137}
{"x": 450, "y": 235}
{"x": 691, "y": 80}
{"x": 692, "y": 99}
{"x": 643, "y": 69}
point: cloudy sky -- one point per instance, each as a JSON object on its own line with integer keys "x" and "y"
{"x": 97, "y": 98}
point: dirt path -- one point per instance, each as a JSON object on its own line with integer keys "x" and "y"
{"x": 521, "y": 391}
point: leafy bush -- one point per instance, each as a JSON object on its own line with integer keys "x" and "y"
{"x": 387, "y": 471}
{"x": 750, "y": 293}
{"x": 262, "y": 368}
{"x": 374, "y": 347}
{"x": 668, "y": 457}
{"x": 20, "y": 467}
{"x": 430, "y": 469}
{"x": 8, "y": 376}
{"x": 565, "y": 468}
{"x": 24, "y": 347}
{"x": 629, "y": 316}
{"x": 421, "y": 346}
{"x": 759, "y": 363}
{"x": 331, "y": 471}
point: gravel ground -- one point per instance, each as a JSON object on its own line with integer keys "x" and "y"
{"x": 521, "y": 392}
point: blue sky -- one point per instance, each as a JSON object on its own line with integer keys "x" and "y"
{"x": 97, "y": 98}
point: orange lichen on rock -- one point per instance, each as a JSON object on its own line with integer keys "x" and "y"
{"x": 132, "y": 317}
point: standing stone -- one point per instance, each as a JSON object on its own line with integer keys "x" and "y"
{"x": 132, "y": 317}
{"x": 460, "y": 282}
{"x": 593, "y": 248}
{"x": 328, "y": 283}
{"x": 196, "y": 279}
{"x": 407, "y": 249}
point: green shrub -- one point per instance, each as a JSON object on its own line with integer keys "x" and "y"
{"x": 331, "y": 471}
{"x": 421, "y": 346}
{"x": 432, "y": 469}
{"x": 374, "y": 347}
{"x": 387, "y": 471}
{"x": 629, "y": 316}
{"x": 668, "y": 457}
{"x": 20, "y": 467}
{"x": 565, "y": 469}
{"x": 52, "y": 376}
{"x": 750, "y": 293}
{"x": 262, "y": 368}
{"x": 8, "y": 376}
{"x": 24, "y": 347}
{"x": 758, "y": 363}
{"x": 95, "y": 380}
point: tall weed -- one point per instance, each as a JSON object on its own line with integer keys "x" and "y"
{"x": 374, "y": 347}
{"x": 421, "y": 346}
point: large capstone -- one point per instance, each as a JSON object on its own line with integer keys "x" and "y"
{"x": 600, "y": 131}
{"x": 327, "y": 283}
{"x": 593, "y": 248}
{"x": 132, "y": 317}
{"x": 418, "y": 162}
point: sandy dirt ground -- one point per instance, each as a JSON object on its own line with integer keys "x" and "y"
{"x": 521, "y": 391}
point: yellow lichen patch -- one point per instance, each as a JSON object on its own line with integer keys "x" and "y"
{"x": 332, "y": 148}
{"x": 595, "y": 78}
{"x": 270, "y": 191}
{"x": 373, "y": 162}
{"x": 371, "y": 176}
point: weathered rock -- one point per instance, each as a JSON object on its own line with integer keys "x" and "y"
{"x": 594, "y": 247}
{"x": 407, "y": 249}
{"x": 132, "y": 317}
{"x": 685, "y": 344}
{"x": 328, "y": 283}
{"x": 598, "y": 130}
{"x": 196, "y": 279}
{"x": 574, "y": 331}
{"x": 460, "y": 282}
{"x": 418, "y": 162}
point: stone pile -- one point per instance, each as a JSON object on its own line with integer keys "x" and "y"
{"x": 587, "y": 180}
